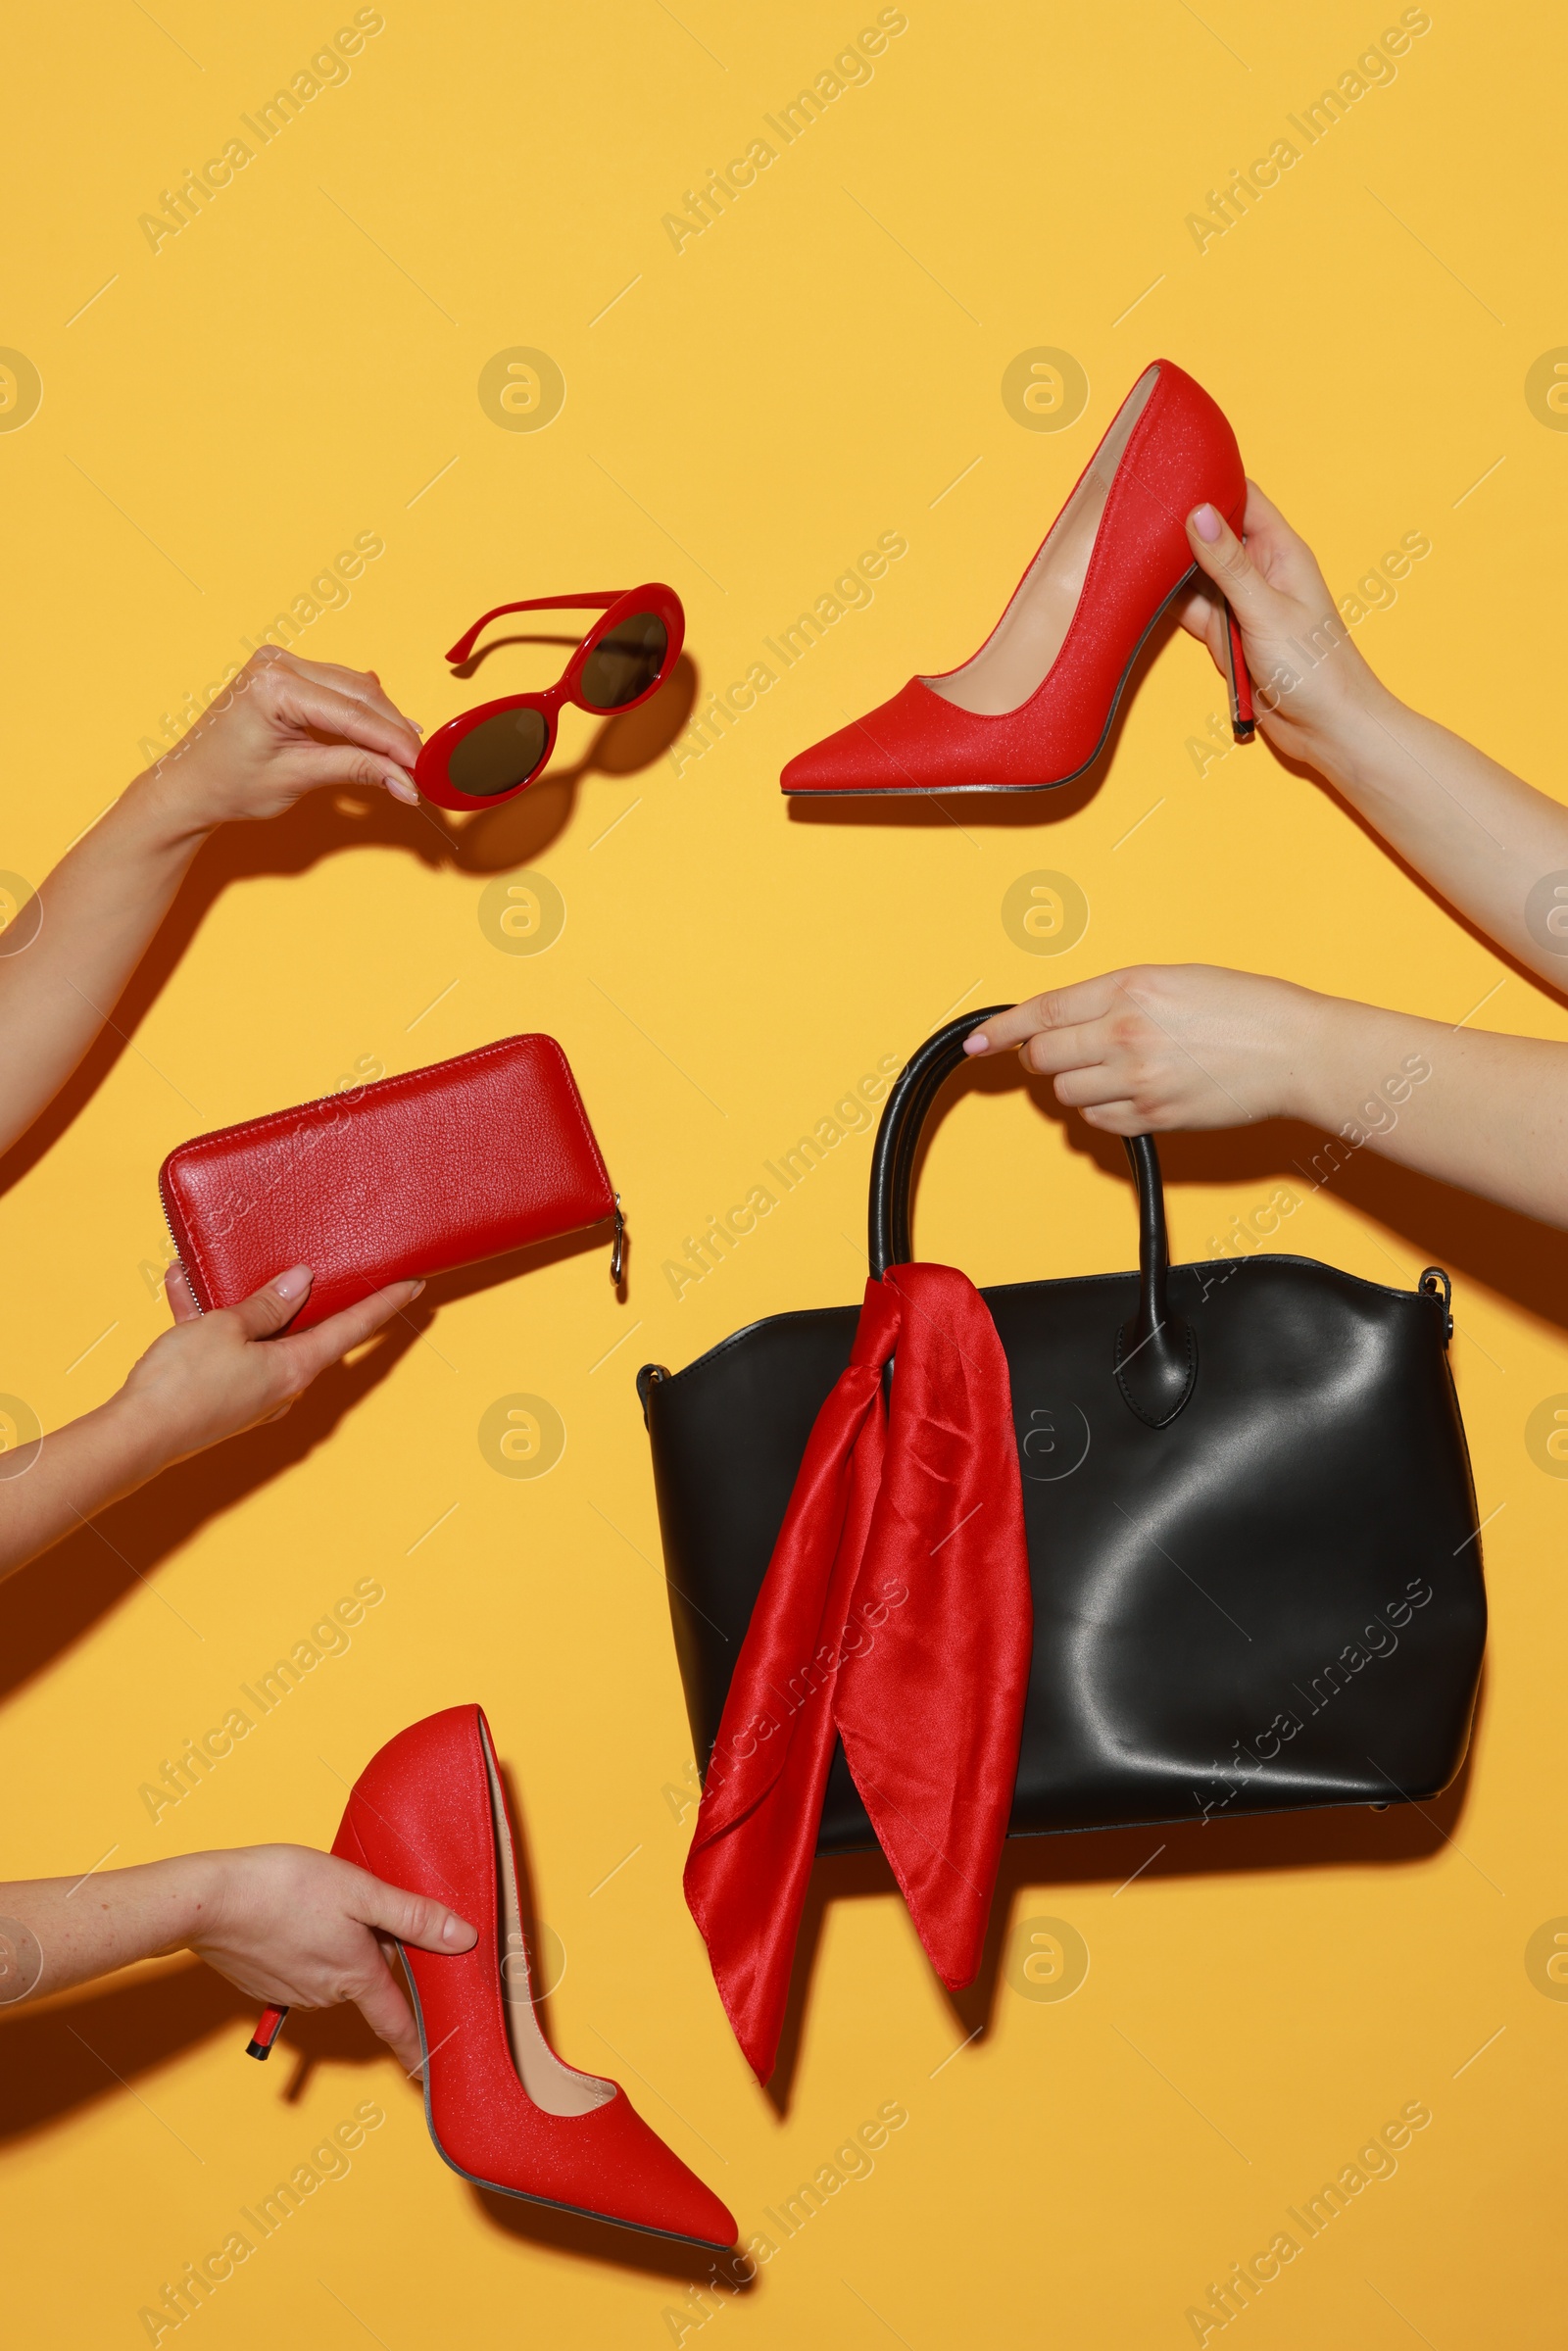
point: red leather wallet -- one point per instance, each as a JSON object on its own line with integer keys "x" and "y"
{"x": 410, "y": 1176}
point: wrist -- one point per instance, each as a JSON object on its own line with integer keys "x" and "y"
{"x": 210, "y": 1893}
{"x": 1312, "y": 1083}
{"x": 129, "y": 1441}
{"x": 171, "y": 803}
{"x": 1345, "y": 736}
{"x": 193, "y": 1897}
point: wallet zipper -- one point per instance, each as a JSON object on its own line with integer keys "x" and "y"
{"x": 179, "y": 1254}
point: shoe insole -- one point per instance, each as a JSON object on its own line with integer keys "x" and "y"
{"x": 555, "y": 2087}
{"x": 1025, "y": 642}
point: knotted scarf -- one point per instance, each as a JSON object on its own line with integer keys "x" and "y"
{"x": 895, "y": 1614}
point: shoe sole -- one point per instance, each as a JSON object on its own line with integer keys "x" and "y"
{"x": 581, "y": 2211}
{"x": 946, "y": 791}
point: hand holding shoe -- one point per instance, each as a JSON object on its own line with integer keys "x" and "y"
{"x": 1312, "y": 692}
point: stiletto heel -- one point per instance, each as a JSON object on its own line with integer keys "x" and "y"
{"x": 268, "y": 2025}
{"x": 429, "y": 1813}
{"x": 1243, "y": 721}
{"x": 1034, "y": 706}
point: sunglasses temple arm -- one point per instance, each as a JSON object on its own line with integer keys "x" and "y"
{"x": 532, "y": 604}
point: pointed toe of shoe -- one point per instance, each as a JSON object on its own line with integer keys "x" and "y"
{"x": 869, "y": 754}
{"x": 656, "y": 2189}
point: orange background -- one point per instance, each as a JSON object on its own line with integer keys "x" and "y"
{"x": 301, "y": 365}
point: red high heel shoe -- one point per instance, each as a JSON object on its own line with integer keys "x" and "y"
{"x": 428, "y": 1813}
{"x": 1034, "y": 706}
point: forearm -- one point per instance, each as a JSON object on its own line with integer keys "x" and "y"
{"x": 1489, "y": 1115}
{"x": 86, "y": 1927}
{"x": 78, "y": 1470}
{"x": 1479, "y": 835}
{"x": 100, "y": 908}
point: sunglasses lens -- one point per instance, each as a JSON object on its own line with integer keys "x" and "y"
{"x": 500, "y": 755}
{"x": 624, "y": 664}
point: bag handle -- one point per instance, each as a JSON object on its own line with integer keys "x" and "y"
{"x": 1156, "y": 1354}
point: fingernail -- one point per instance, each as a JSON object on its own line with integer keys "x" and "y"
{"x": 454, "y": 1929}
{"x": 414, "y": 1292}
{"x": 977, "y": 1045}
{"x": 1206, "y": 523}
{"x": 401, "y": 787}
{"x": 294, "y": 1282}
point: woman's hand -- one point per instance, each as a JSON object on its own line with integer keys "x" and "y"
{"x": 283, "y": 728}
{"x": 213, "y": 1375}
{"x": 298, "y": 1928}
{"x": 209, "y": 1378}
{"x": 1314, "y": 695}
{"x": 1163, "y": 1046}
{"x": 292, "y": 1927}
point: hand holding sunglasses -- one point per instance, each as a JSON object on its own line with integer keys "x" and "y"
{"x": 498, "y": 749}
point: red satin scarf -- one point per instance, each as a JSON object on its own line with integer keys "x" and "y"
{"x": 896, "y": 1614}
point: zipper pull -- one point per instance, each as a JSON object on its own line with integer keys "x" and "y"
{"x": 618, "y": 1247}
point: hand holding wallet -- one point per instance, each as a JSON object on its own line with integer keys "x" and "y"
{"x": 413, "y": 1175}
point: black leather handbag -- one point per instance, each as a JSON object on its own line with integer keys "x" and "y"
{"x": 1252, "y": 1528}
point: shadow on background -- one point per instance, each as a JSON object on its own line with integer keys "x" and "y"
{"x": 1336, "y": 1837}
{"x": 57, "y": 1598}
{"x": 548, "y": 2229}
{"x": 322, "y": 823}
{"x": 544, "y": 2226}
{"x": 58, "y": 2060}
{"x": 1477, "y": 1242}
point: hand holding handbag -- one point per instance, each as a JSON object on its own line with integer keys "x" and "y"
{"x": 413, "y": 1175}
{"x": 1251, "y": 1553}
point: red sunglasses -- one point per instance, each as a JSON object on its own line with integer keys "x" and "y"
{"x": 500, "y": 747}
